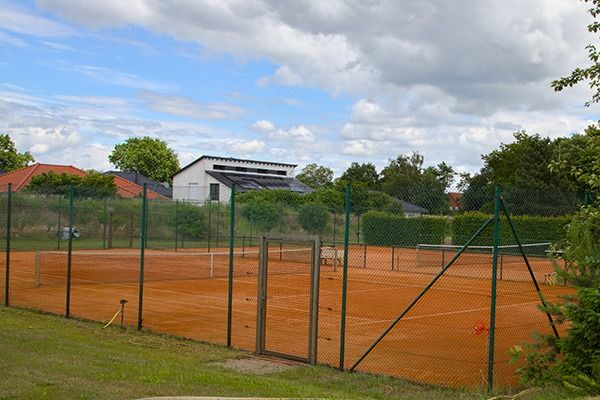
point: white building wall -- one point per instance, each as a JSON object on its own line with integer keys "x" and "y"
{"x": 193, "y": 183}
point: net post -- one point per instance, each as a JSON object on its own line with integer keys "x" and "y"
{"x": 176, "y": 223}
{"x": 345, "y": 279}
{"x": 393, "y": 254}
{"x": 69, "y": 253}
{"x": 7, "y": 259}
{"x": 492, "y": 331}
{"x": 243, "y": 245}
{"x": 142, "y": 253}
{"x": 365, "y": 257}
{"x": 230, "y": 273}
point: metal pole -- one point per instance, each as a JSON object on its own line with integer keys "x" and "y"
{"x": 218, "y": 213}
{"x": 59, "y": 223}
{"x": 393, "y": 251}
{"x": 537, "y": 287}
{"x": 104, "y": 216}
{"x": 69, "y": 253}
{"x": 358, "y": 229}
{"x": 176, "y": 223}
{"x": 230, "y": 283}
{"x": 345, "y": 279}
{"x": 209, "y": 223}
{"x": 7, "y": 261}
{"x": 416, "y": 299}
{"x": 142, "y": 251}
{"x": 334, "y": 225}
{"x": 365, "y": 257}
{"x": 586, "y": 198}
{"x": 496, "y": 240}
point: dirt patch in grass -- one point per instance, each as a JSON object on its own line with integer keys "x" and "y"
{"x": 259, "y": 366}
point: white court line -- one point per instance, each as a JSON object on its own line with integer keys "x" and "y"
{"x": 442, "y": 314}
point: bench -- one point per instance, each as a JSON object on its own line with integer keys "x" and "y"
{"x": 330, "y": 253}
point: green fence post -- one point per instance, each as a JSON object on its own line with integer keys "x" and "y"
{"x": 209, "y": 226}
{"x": 230, "y": 283}
{"x": 7, "y": 260}
{"x": 104, "y": 217}
{"x": 496, "y": 241}
{"x": 218, "y": 213}
{"x": 59, "y": 223}
{"x": 176, "y": 223}
{"x": 142, "y": 252}
{"x": 586, "y": 198}
{"x": 345, "y": 279}
{"x": 69, "y": 253}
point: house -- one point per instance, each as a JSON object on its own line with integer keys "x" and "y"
{"x": 161, "y": 188}
{"x": 412, "y": 210}
{"x": 455, "y": 200}
{"x": 210, "y": 178}
{"x": 20, "y": 178}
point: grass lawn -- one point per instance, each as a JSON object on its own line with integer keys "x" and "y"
{"x": 49, "y": 357}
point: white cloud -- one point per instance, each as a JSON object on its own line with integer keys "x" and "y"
{"x": 15, "y": 19}
{"x": 299, "y": 133}
{"x": 246, "y": 147}
{"x": 184, "y": 106}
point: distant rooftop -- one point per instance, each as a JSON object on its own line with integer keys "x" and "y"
{"x": 140, "y": 179}
{"x": 207, "y": 157}
{"x": 246, "y": 182}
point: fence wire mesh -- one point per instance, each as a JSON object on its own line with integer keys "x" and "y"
{"x": 403, "y": 316}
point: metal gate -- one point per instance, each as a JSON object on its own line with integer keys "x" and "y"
{"x": 288, "y": 288}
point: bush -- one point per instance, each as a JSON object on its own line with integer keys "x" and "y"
{"x": 385, "y": 229}
{"x": 272, "y": 196}
{"x": 262, "y": 214}
{"x": 313, "y": 217}
{"x": 531, "y": 229}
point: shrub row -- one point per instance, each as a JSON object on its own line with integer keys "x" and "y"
{"x": 381, "y": 228}
{"x": 531, "y": 229}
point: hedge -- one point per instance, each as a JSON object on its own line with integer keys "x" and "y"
{"x": 381, "y": 228}
{"x": 531, "y": 229}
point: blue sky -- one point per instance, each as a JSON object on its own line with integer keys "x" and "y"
{"x": 326, "y": 82}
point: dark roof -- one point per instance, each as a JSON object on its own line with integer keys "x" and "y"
{"x": 140, "y": 179}
{"x": 234, "y": 159}
{"x": 246, "y": 182}
{"x": 410, "y": 208}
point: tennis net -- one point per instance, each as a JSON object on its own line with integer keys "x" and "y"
{"x": 124, "y": 267}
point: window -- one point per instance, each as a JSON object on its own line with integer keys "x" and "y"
{"x": 214, "y": 191}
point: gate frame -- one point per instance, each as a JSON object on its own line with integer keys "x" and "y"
{"x": 315, "y": 243}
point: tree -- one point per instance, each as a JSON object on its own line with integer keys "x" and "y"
{"x": 359, "y": 175}
{"x": 405, "y": 178}
{"x": 147, "y": 156}
{"x": 316, "y": 176}
{"x": 578, "y": 158}
{"x": 93, "y": 184}
{"x": 592, "y": 72}
{"x": 313, "y": 217}
{"x": 10, "y": 158}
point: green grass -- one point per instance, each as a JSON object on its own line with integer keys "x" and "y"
{"x": 48, "y": 357}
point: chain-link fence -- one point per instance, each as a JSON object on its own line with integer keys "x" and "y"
{"x": 407, "y": 283}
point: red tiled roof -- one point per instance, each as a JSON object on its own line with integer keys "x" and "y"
{"x": 454, "y": 199}
{"x": 21, "y": 178}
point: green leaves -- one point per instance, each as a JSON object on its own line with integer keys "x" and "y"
{"x": 147, "y": 156}
{"x": 93, "y": 184}
{"x": 10, "y": 158}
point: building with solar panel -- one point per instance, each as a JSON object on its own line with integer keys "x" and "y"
{"x": 210, "y": 178}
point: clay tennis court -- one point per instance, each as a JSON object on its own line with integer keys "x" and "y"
{"x": 442, "y": 340}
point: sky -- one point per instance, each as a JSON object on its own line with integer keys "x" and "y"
{"x": 329, "y": 82}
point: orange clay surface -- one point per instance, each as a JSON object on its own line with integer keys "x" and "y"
{"x": 442, "y": 340}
